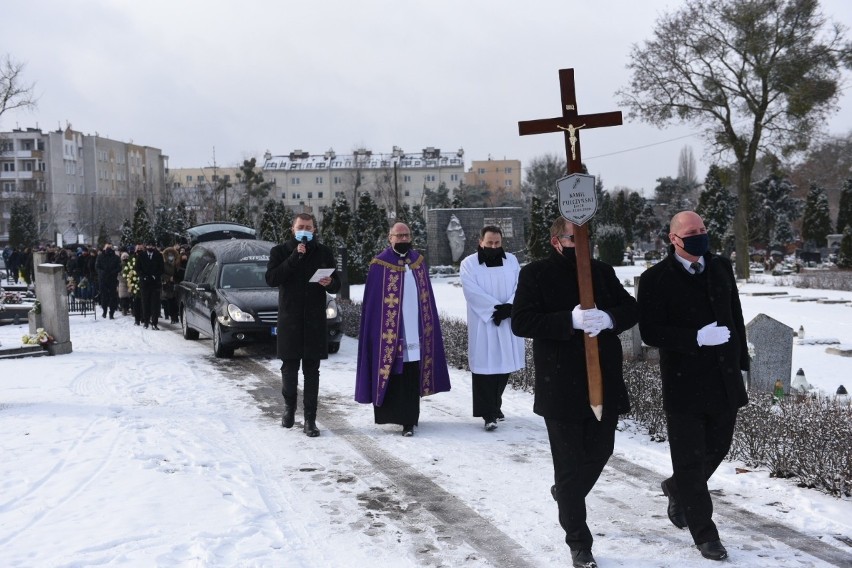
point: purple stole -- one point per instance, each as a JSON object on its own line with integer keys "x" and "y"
{"x": 380, "y": 346}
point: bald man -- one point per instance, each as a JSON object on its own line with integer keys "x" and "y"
{"x": 689, "y": 308}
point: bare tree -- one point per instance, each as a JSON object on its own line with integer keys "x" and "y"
{"x": 14, "y": 92}
{"x": 759, "y": 75}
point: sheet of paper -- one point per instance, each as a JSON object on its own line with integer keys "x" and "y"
{"x": 321, "y": 273}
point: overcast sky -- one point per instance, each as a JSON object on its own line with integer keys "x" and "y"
{"x": 244, "y": 77}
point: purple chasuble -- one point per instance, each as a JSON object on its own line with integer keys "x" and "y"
{"x": 380, "y": 345}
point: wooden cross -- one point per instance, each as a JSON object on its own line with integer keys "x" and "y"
{"x": 569, "y": 123}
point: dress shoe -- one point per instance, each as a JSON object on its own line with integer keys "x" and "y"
{"x": 311, "y": 430}
{"x": 103, "y": 315}
{"x": 289, "y": 417}
{"x": 145, "y": 325}
{"x": 155, "y": 328}
{"x": 408, "y": 431}
{"x": 674, "y": 510}
{"x": 553, "y": 492}
{"x": 713, "y": 550}
{"x": 582, "y": 558}
{"x": 112, "y": 316}
{"x": 500, "y": 417}
{"x": 490, "y": 426}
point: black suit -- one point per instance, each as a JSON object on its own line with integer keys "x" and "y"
{"x": 702, "y": 386}
{"x": 149, "y": 268}
{"x": 547, "y": 293}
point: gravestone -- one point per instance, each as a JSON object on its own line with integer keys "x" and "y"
{"x": 50, "y": 284}
{"x": 631, "y": 339}
{"x": 472, "y": 219}
{"x": 773, "y": 354}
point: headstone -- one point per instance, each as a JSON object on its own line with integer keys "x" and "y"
{"x": 631, "y": 339}
{"x": 773, "y": 354}
{"x": 472, "y": 219}
{"x": 50, "y": 284}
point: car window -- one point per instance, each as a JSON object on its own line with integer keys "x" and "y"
{"x": 244, "y": 275}
{"x": 208, "y": 275}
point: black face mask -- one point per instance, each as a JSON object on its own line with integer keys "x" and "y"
{"x": 402, "y": 248}
{"x": 570, "y": 253}
{"x": 492, "y": 253}
{"x": 696, "y": 245}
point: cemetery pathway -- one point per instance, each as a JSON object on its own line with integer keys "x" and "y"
{"x": 462, "y": 524}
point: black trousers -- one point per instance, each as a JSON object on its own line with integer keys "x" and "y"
{"x": 109, "y": 298}
{"x": 310, "y": 390}
{"x": 488, "y": 395}
{"x": 402, "y": 398}
{"x": 698, "y": 444}
{"x": 150, "y": 303}
{"x": 580, "y": 451}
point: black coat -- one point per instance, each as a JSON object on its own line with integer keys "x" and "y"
{"x": 547, "y": 293}
{"x": 302, "y": 330}
{"x": 108, "y": 265}
{"x": 674, "y": 305}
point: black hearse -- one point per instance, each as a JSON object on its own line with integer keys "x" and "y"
{"x": 224, "y": 295}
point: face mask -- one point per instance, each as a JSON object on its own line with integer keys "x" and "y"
{"x": 171, "y": 258}
{"x": 150, "y": 249}
{"x": 570, "y": 253}
{"x": 402, "y": 248}
{"x": 492, "y": 253}
{"x": 696, "y": 245}
{"x": 304, "y": 235}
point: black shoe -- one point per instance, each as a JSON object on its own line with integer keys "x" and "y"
{"x": 408, "y": 431}
{"x": 500, "y": 417}
{"x": 136, "y": 323}
{"x": 112, "y": 316}
{"x": 713, "y": 550}
{"x": 582, "y": 558}
{"x": 289, "y": 417}
{"x": 675, "y": 511}
{"x": 103, "y": 315}
{"x": 174, "y": 320}
{"x": 490, "y": 425}
{"x": 145, "y": 326}
{"x": 155, "y": 328}
{"x": 553, "y": 492}
{"x": 311, "y": 430}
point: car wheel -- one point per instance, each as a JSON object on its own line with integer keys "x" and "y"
{"x": 333, "y": 347}
{"x": 220, "y": 350}
{"x": 188, "y": 332}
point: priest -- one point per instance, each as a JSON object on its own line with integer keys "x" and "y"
{"x": 400, "y": 348}
{"x": 489, "y": 279}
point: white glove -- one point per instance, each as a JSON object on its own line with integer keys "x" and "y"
{"x": 712, "y": 334}
{"x": 577, "y": 317}
{"x": 596, "y": 321}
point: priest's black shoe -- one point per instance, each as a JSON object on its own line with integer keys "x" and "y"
{"x": 675, "y": 511}
{"x": 408, "y": 431}
{"x": 311, "y": 430}
{"x": 289, "y": 417}
{"x": 582, "y": 558}
{"x": 713, "y": 550}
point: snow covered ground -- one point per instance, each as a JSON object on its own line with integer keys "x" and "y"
{"x": 142, "y": 449}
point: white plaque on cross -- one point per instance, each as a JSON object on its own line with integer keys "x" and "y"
{"x": 578, "y": 201}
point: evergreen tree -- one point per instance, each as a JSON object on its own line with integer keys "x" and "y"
{"x": 816, "y": 223}
{"x": 844, "y": 256}
{"x": 125, "y": 238}
{"x": 370, "y": 236}
{"x": 238, "y": 213}
{"x": 256, "y": 190}
{"x": 103, "y": 236}
{"x": 165, "y": 226}
{"x": 142, "y": 231}
{"x": 336, "y": 223}
{"x": 22, "y": 225}
{"x": 437, "y": 199}
{"x": 417, "y": 224}
{"x": 716, "y": 206}
{"x": 181, "y": 220}
{"x": 542, "y": 216}
{"x": 541, "y": 176}
{"x": 673, "y": 195}
{"x": 275, "y": 222}
{"x": 610, "y": 241}
{"x": 844, "y": 214}
{"x": 773, "y": 211}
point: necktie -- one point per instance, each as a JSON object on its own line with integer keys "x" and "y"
{"x": 696, "y": 267}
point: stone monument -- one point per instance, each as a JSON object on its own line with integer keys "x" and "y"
{"x": 472, "y": 219}
{"x": 773, "y": 354}
{"x": 51, "y": 294}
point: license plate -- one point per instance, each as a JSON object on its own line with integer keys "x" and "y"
{"x": 273, "y": 330}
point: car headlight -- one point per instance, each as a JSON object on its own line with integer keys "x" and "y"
{"x": 331, "y": 310}
{"x": 237, "y": 314}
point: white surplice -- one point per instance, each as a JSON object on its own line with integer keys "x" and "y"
{"x": 491, "y": 349}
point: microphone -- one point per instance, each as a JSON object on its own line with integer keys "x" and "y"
{"x": 304, "y": 242}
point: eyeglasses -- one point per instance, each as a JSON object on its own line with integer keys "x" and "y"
{"x": 401, "y": 235}
{"x": 569, "y": 237}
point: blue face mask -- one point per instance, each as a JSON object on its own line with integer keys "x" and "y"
{"x": 304, "y": 235}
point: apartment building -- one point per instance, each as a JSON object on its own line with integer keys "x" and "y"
{"x": 308, "y": 182}
{"x": 499, "y": 176}
{"x": 78, "y": 182}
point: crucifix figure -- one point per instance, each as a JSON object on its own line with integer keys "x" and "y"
{"x": 569, "y": 123}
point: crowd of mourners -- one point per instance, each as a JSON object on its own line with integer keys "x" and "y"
{"x": 138, "y": 280}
